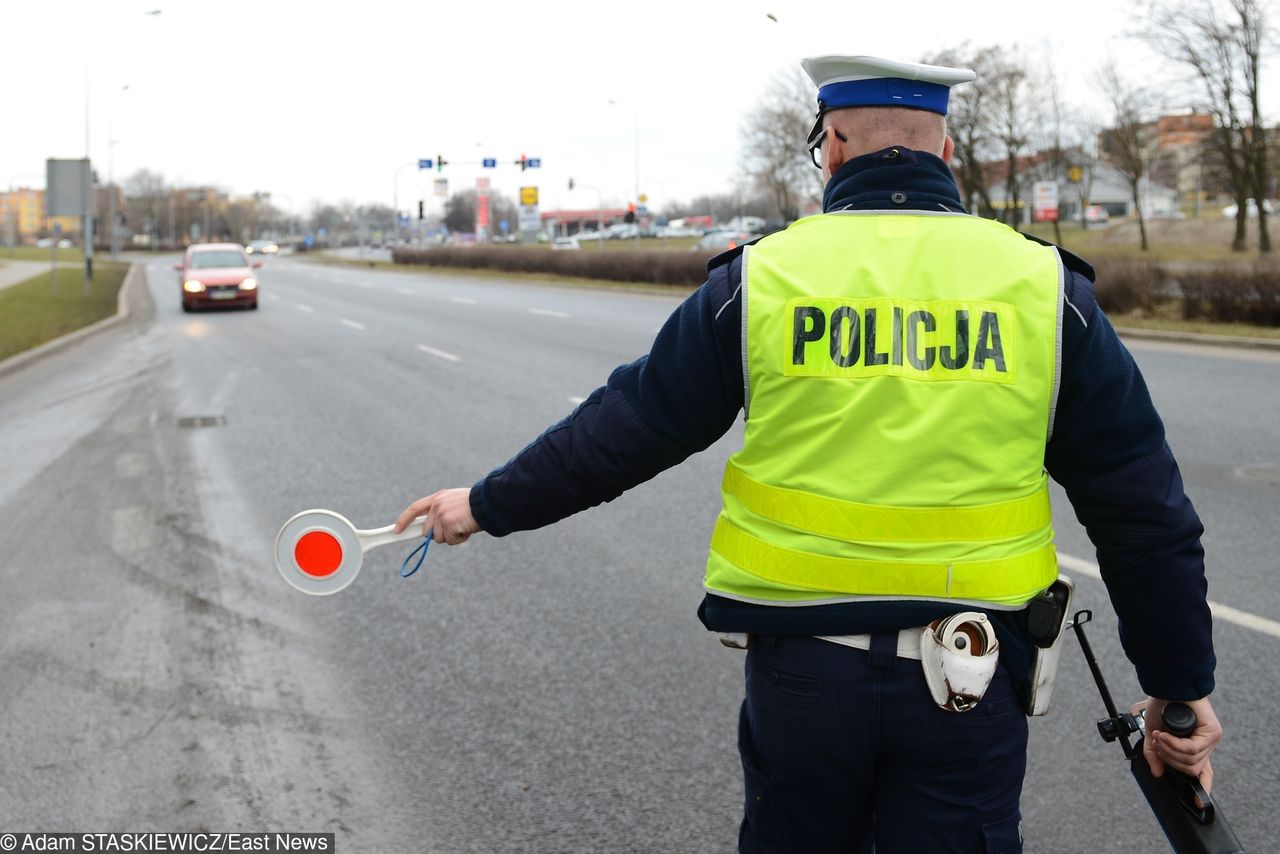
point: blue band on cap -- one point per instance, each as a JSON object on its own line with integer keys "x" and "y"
{"x": 886, "y": 92}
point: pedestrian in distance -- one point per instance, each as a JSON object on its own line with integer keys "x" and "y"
{"x": 910, "y": 376}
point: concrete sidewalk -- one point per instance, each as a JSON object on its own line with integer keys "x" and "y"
{"x": 12, "y": 272}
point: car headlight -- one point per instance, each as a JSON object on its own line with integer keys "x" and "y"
{"x": 248, "y": 284}
{"x": 191, "y": 286}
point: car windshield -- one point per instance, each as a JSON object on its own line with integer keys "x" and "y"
{"x": 223, "y": 258}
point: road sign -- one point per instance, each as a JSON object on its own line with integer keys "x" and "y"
{"x": 426, "y": 164}
{"x": 528, "y": 195}
{"x": 643, "y": 198}
{"x": 1045, "y": 204}
{"x": 69, "y": 186}
{"x": 1075, "y": 174}
{"x": 489, "y": 162}
{"x": 442, "y": 187}
{"x": 534, "y": 162}
{"x": 482, "y": 185}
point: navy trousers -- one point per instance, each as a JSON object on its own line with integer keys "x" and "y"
{"x": 843, "y": 749}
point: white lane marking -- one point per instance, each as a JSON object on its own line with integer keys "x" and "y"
{"x": 334, "y": 278}
{"x": 405, "y": 291}
{"x": 432, "y": 351}
{"x": 352, "y": 324}
{"x": 273, "y": 298}
{"x": 1220, "y": 611}
{"x": 546, "y": 312}
{"x": 308, "y": 309}
{"x": 463, "y": 300}
{"x": 363, "y": 285}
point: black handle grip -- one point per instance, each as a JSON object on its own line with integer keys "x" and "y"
{"x": 1179, "y": 720}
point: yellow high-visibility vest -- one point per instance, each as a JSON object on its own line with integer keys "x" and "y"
{"x": 900, "y": 374}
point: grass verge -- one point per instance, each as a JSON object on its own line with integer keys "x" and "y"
{"x": 31, "y": 313}
{"x": 31, "y": 253}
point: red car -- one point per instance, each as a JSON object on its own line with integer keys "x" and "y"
{"x": 217, "y": 274}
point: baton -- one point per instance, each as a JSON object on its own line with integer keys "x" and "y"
{"x": 1190, "y": 829}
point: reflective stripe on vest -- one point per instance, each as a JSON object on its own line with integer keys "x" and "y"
{"x": 900, "y": 371}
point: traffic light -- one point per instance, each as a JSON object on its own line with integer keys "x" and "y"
{"x": 524, "y": 162}
{"x": 421, "y": 212}
{"x": 440, "y": 162}
{"x": 631, "y": 214}
{"x": 570, "y": 183}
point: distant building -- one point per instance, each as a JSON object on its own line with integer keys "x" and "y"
{"x": 23, "y": 211}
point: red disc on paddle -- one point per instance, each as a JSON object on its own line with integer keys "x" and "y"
{"x": 318, "y": 554}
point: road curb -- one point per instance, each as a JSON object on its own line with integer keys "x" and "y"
{"x": 1202, "y": 338}
{"x": 124, "y": 310}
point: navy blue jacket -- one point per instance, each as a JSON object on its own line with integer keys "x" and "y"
{"x": 1107, "y": 450}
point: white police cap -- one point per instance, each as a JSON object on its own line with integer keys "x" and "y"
{"x": 867, "y": 81}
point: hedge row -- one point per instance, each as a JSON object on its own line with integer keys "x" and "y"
{"x": 655, "y": 267}
{"x": 1238, "y": 293}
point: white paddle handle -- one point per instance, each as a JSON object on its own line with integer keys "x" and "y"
{"x": 386, "y": 536}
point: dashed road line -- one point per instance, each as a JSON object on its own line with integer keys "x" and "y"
{"x": 308, "y": 309}
{"x": 1220, "y": 611}
{"x": 273, "y": 298}
{"x": 463, "y": 300}
{"x": 363, "y": 285}
{"x": 546, "y": 312}
{"x": 352, "y": 324}
{"x": 441, "y": 354}
{"x": 406, "y": 291}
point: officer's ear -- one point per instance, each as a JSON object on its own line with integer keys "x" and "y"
{"x": 948, "y": 149}
{"x": 835, "y": 151}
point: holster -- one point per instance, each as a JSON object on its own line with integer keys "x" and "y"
{"x": 1046, "y": 620}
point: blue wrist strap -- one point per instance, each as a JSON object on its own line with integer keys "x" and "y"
{"x": 421, "y": 552}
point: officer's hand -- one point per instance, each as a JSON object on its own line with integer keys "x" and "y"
{"x": 448, "y": 513}
{"x": 1189, "y": 755}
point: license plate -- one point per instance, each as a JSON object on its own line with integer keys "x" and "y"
{"x": 223, "y": 295}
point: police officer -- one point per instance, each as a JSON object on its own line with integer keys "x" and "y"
{"x": 908, "y": 374}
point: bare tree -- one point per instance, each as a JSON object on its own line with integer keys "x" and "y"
{"x": 1014, "y": 122}
{"x": 970, "y": 122}
{"x": 773, "y": 140}
{"x": 1224, "y": 57}
{"x": 1129, "y": 142}
{"x": 1251, "y": 34}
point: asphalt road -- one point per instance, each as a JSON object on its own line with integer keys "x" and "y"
{"x": 549, "y": 691}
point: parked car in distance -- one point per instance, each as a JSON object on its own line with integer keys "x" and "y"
{"x": 1251, "y": 209}
{"x": 565, "y": 243}
{"x": 722, "y": 241}
{"x": 1096, "y": 215}
{"x": 262, "y": 247}
{"x": 217, "y": 274}
{"x": 44, "y": 243}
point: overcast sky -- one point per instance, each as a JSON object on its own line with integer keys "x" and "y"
{"x": 310, "y": 104}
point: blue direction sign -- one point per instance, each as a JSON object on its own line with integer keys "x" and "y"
{"x": 534, "y": 162}
{"x": 426, "y": 164}
{"x": 490, "y": 162}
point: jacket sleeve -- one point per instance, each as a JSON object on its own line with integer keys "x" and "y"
{"x": 1108, "y": 451}
{"x": 650, "y": 415}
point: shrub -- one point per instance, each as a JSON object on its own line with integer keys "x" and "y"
{"x": 684, "y": 269}
{"x": 1130, "y": 284}
{"x": 1234, "y": 294}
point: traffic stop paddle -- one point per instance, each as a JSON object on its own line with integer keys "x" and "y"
{"x": 320, "y": 552}
{"x": 1191, "y": 820}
